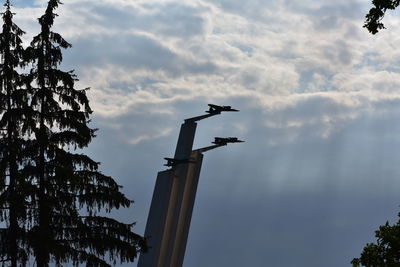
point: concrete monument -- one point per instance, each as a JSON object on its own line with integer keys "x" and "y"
{"x": 174, "y": 194}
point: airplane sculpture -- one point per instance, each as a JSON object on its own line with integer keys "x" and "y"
{"x": 215, "y": 109}
{"x": 221, "y": 141}
{"x": 218, "y": 141}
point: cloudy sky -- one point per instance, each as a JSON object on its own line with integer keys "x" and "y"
{"x": 319, "y": 99}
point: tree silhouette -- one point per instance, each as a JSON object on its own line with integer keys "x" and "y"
{"x": 13, "y": 101}
{"x": 375, "y": 15}
{"x": 386, "y": 253}
{"x": 62, "y": 189}
{"x": 68, "y": 181}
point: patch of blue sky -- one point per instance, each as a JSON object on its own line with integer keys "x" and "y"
{"x": 374, "y": 61}
{"x": 371, "y": 60}
{"x": 307, "y": 82}
{"x": 244, "y": 48}
{"x": 25, "y": 3}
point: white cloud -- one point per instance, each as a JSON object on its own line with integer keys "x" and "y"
{"x": 147, "y": 137}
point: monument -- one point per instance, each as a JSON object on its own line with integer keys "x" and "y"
{"x": 174, "y": 194}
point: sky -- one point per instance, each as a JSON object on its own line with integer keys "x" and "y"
{"x": 319, "y": 102}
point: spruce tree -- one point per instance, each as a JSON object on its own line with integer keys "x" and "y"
{"x": 13, "y": 102}
{"x": 67, "y": 181}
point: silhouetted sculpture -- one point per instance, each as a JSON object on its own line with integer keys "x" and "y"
{"x": 174, "y": 194}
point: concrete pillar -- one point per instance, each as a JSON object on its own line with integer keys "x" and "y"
{"x": 172, "y": 204}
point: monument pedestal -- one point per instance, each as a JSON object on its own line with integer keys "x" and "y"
{"x": 170, "y": 214}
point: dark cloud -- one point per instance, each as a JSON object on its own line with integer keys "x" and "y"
{"x": 174, "y": 20}
{"x": 345, "y": 10}
{"x": 304, "y": 203}
{"x": 134, "y": 52}
{"x": 296, "y": 229}
{"x": 338, "y": 10}
{"x": 168, "y": 19}
{"x": 308, "y": 201}
{"x": 254, "y": 9}
{"x": 339, "y": 52}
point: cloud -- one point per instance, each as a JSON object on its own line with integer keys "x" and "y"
{"x": 162, "y": 52}
{"x": 135, "y": 52}
{"x": 147, "y": 57}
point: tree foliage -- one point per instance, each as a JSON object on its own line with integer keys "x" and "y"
{"x": 65, "y": 193}
{"x": 375, "y": 15}
{"x": 13, "y": 101}
{"x": 386, "y": 252}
